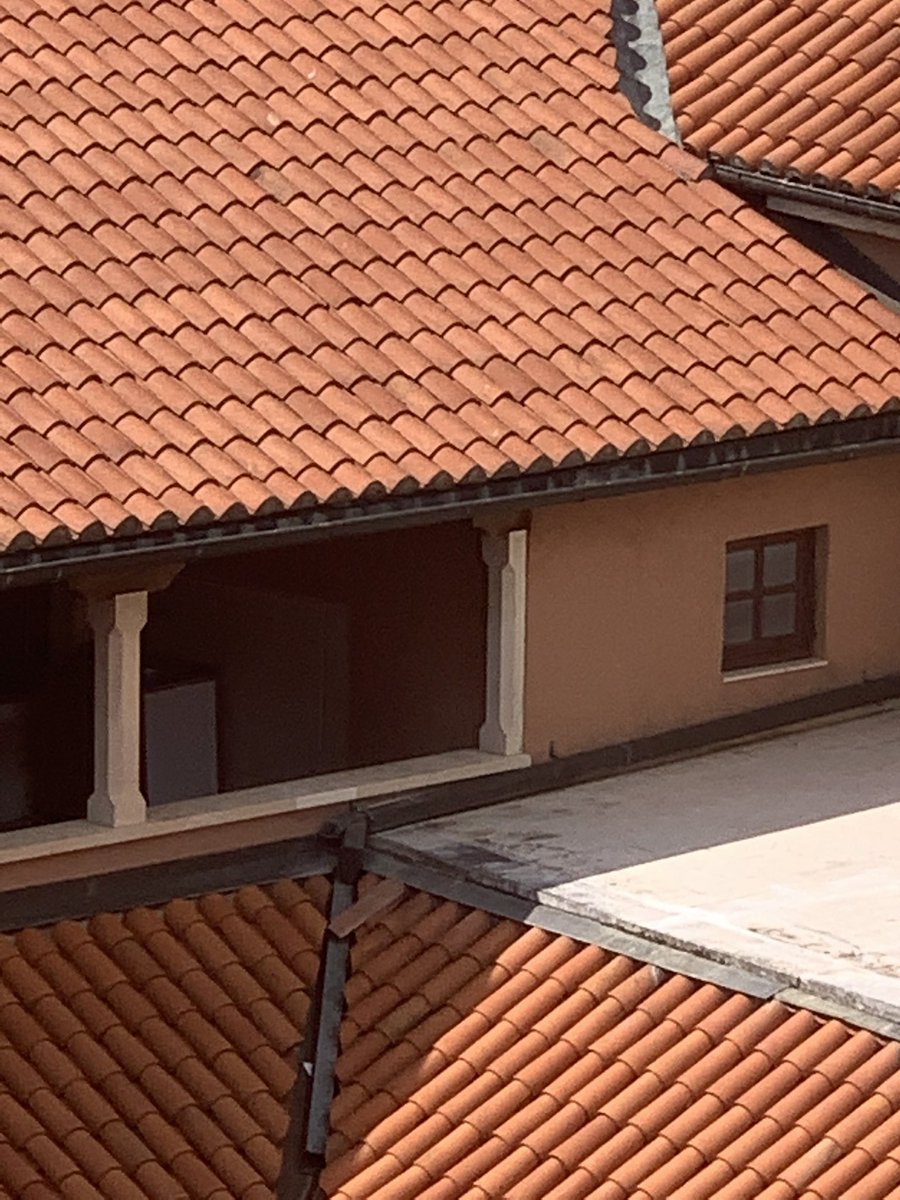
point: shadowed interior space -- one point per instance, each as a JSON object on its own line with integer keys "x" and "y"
{"x": 283, "y": 664}
{"x": 46, "y": 702}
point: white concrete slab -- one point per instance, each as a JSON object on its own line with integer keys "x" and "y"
{"x": 781, "y": 855}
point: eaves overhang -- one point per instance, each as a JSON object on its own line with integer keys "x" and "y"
{"x": 802, "y": 445}
{"x": 838, "y": 205}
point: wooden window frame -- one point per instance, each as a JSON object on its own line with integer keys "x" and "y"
{"x": 800, "y": 644}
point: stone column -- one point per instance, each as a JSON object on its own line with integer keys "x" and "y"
{"x": 117, "y": 621}
{"x": 505, "y": 553}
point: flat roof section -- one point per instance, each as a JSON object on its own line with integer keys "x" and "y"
{"x": 778, "y": 856}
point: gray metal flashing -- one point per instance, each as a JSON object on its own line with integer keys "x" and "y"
{"x": 298, "y": 1175}
{"x": 799, "y": 446}
{"x": 303, "y": 1156}
{"x": 641, "y": 59}
{"x": 734, "y": 977}
{"x": 589, "y": 766}
{"x": 388, "y": 859}
{"x": 429, "y": 877}
{"x": 335, "y": 964}
{"x": 73, "y": 899}
{"x": 885, "y": 1027}
{"x": 335, "y": 961}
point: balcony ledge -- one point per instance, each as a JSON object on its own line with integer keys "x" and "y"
{"x": 326, "y": 792}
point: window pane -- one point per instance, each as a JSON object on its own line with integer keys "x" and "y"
{"x": 740, "y": 569}
{"x": 738, "y": 622}
{"x": 779, "y": 615}
{"x": 779, "y": 563}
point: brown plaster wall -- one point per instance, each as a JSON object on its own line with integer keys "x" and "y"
{"x": 216, "y": 838}
{"x": 417, "y": 643}
{"x": 46, "y": 692}
{"x": 624, "y": 628}
{"x": 416, "y": 602}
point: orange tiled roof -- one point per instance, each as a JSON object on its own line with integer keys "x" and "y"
{"x": 811, "y": 90}
{"x": 484, "y": 1060}
{"x": 258, "y": 256}
{"x": 148, "y": 1055}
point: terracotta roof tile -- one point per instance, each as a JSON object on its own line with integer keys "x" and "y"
{"x": 797, "y": 89}
{"x": 563, "y": 1071}
{"x": 140, "y": 1057}
{"x": 202, "y": 202}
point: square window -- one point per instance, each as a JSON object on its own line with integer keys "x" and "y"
{"x": 770, "y": 602}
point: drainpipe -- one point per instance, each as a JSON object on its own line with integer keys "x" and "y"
{"x": 310, "y": 1104}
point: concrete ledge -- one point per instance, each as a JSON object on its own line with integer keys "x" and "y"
{"x": 775, "y": 858}
{"x": 781, "y": 668}
{"x": 852, "y": 702}
{"x": 302, "y": 795}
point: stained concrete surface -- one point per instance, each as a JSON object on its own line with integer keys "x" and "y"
{"x": 781, "y": 855}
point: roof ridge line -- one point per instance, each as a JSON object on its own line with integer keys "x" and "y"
{"x": 641, "y": 60}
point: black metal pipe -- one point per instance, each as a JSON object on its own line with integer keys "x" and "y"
{"x": 310, "y": 1105}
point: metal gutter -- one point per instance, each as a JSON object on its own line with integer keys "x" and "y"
{"x": 801, "y": 446}
{"x": 763, "y": 183}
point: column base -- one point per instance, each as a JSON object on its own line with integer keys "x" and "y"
{"x": 120, "y": 809}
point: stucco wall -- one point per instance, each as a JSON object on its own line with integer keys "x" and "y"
{"x": 625, "y": 601}
{"x": 416, "y": 611}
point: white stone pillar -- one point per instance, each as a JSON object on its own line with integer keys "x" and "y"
{"x": 117, "y": 621}
{"x": 505, "y": 553}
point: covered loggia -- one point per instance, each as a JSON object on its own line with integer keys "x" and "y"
{"x": 282, "y": 664}
{"x": 160, "y": 695}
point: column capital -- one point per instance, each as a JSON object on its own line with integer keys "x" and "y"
{"x": 99, "y": 584}
{"x": 125, "y": 611}
{"x": 498, "y": 524}
{"x": 497, "y": 548}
